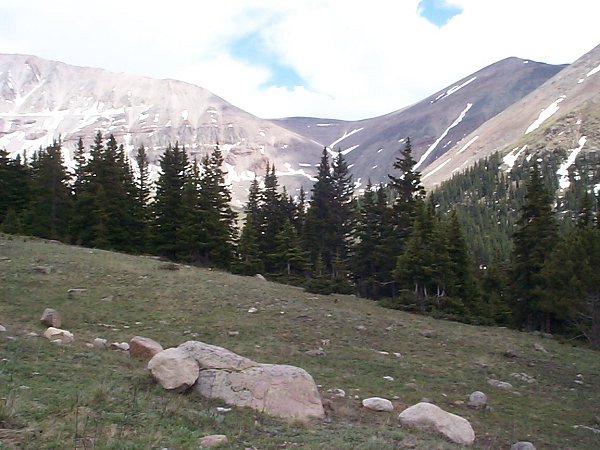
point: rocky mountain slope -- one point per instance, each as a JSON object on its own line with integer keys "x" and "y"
{"x": 563, "y": 113}
{"x": 41, "y": 100}
{"x": 434, "y": 124}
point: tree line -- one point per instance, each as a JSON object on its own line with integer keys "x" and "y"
{"x": 393, "y": 244}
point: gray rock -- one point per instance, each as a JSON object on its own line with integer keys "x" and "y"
{"x": 477, "y": 399}
{"x": 499, "y": 384}
{"x": 428, "y": 333}
{"x": 213, "y": 440}
{"x": 174, "y": 368}
{"x": 430, "y": 417}
{"x": 258, "y": 276}
{"x": 315, "y": 352}
{"x": 54, "y": 334}
{"x": 51, "y": 318}
{"x": 46, "y": 270}
{"x": 2, "y": 329}
{"x": 540, "y": 348}
{"x": 522, "y": 445}
{"x": 100, "y": 343}
{"x": 378, "y": 404}
{"x": 524, "y": 377}
{"x": 510, "y": 353}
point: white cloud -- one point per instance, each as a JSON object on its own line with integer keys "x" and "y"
{"x": 359, "y": 59}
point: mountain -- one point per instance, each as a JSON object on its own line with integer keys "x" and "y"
{"x": 434, "y": 124}
{"x": 42, "y": 100}
{"x": 562, "y": 113}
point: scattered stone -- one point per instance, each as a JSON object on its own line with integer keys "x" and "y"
{"x": 252, "y": 310}
{"x": 428, "y": 416}
{"x": 427, "y": 333}
{"x": 53, "y": 334}
{"x": 387, "y": 377}
{"x": 477, "y": 400}
{"x": 89, "y": 345}
{"x": 4, "y": 258}
{"x": 32, "y": 334}
{"x": 398, "y": 354}
{"x": 360, "y": 328}
{"x": 143, "y": 347}
{"x": 378, "y": 404}
{"x": 338, "y": 392}
{"x": 585, "y": 427}
{"x": 174, "y": 368}
{"x": 222, "y": 410}
{"x": 412, "y": 386}
{"x": 522, "y": 445}
{"x": 51, "y": 318}
{"x": 258, "y": 276}
{"x": 315, "y": 352}
{"x": 11, "y": 338}
{"x": 522, "y": 376}
{"x": 2, "y": 329}
{"x": 213, "y": 440}
{"x": 499, "y": 384}
{"x": 540, "y": 348}
{"x": 510, "y": 353}
{"x": 325, "y": 342}
{"x": 100, "y": 343}
{"x": 108, "y": 298}
{"x": 577, "y": 381}
{"x": 233, "y": 333}
{"x": 480, "y": 364}
{"x": 278, "y": 390}
{"x": 426, "y": 400}
{"x": 75, "y": 291}
{"x": 46, "y": 270}
{"x": 120, "y": 346}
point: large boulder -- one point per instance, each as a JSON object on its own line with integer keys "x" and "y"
{"x": 57, "y": 335}
{"x": 143, "y": 347}
{"x": 51, "y": 318}
{"x": 174, "y": 369}
{"x": 431, "y": 417}
{"x": 278, "y": 390}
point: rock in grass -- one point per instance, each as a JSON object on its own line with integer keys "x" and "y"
{"x": 431, "y": 417}
{"x": 499, "y": 384}
{"x": 278, "y": 390}
{"x": 540, "y": 348}
{"x": 100, "y": 343}
{"x": 477, "y": 399}
{"x": 522, "y": 445}
{"x": 120, "y": 346}
{"x": 143, "y": 347}
{"x": 258, "y": 276}
{"x": 378, "y": 404}
{"x": 213, "y": 440}
{"x": 51, "y": 318}
{"x": 46, "y": 270}
{"x": 54, "y": 334}
{"x": 2, "y": 329}
{"x": 174, "y": 368}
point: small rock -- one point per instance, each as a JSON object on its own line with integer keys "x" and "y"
{"x": 213, "y": 440}
{"x": 100, "y": 343}
{"x": 378, "y": 404}
{"x": 32, "y": 334}
{"x": 315, "y": 352}
{"x": 523, "y": 377}
{"x": 2, "y": 329}
{"x": 477, "y": 399}
{"x": 233, "y": 333}
{"x": 412, "y": 386}
{"x": 143, "y": 347}
{"x": 382, "y": 352}
{"x": 338, "y": 392}
{"x": 398, "y": 354}
{"x": 4, "y": 258}
{"x": 499, "y": 384}
{"x": 120, "y": 346}
{"x": 427, "y": 333}
{"x": 46, "y": 270}
{"x": 53, "y": 333}
{"x": 387, "y": 377}
{"x": 51, "y": 318}
{"x": 89, "y": 345}
{"x": 577, "y": 381}
{"x": 252, "y": 310}
{"x": 75, "y": 291}
{"x": 222, "y": 410}
{"x": 522, "y": 445}
{"x": 360, "y": 328}
{"x": 108, "y": 298}
{"x": 510, "y": 353}
{"x": 540, "y": 348}
{"x": 258, "y": 276}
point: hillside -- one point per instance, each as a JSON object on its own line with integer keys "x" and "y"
{"x": 75, "y": 396}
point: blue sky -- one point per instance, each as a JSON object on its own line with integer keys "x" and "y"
{"x": 346, "y": 59}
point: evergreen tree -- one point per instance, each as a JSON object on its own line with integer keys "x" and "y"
{"x": 534, "y": 239}
{"x": 49, "y": 209}
{"x": 168, "y": 208}
{"x": 343, "y": 212}
{"x": 14, "y": 185}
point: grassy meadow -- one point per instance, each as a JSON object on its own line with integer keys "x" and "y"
{"x": 73, "y": 396}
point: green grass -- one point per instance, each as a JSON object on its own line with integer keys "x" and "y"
{"x": 72, "y": 396}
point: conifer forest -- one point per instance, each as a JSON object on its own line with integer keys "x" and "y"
{"x": 489, "y": 246}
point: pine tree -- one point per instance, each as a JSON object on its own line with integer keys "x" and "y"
{"x": 344, "y": 212}
{"x": 49, "y": 210}
{"x": 14, "y": 185}
{"x": 168, "y": 205}
{"x": 534, "y": 239}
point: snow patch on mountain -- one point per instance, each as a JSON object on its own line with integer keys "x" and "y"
{"x": 452, "y": 90}
{"x": 337, "y": 141}
{"x": 593, "y": 71}
{"x": 545, "y": 114}
{"x": 512, "y": 157}
{"x": 468, "y": 144}
{"x": 436, "y": 169}
{"x": 563, "y": 170}
{"x": 435, "y": 144}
